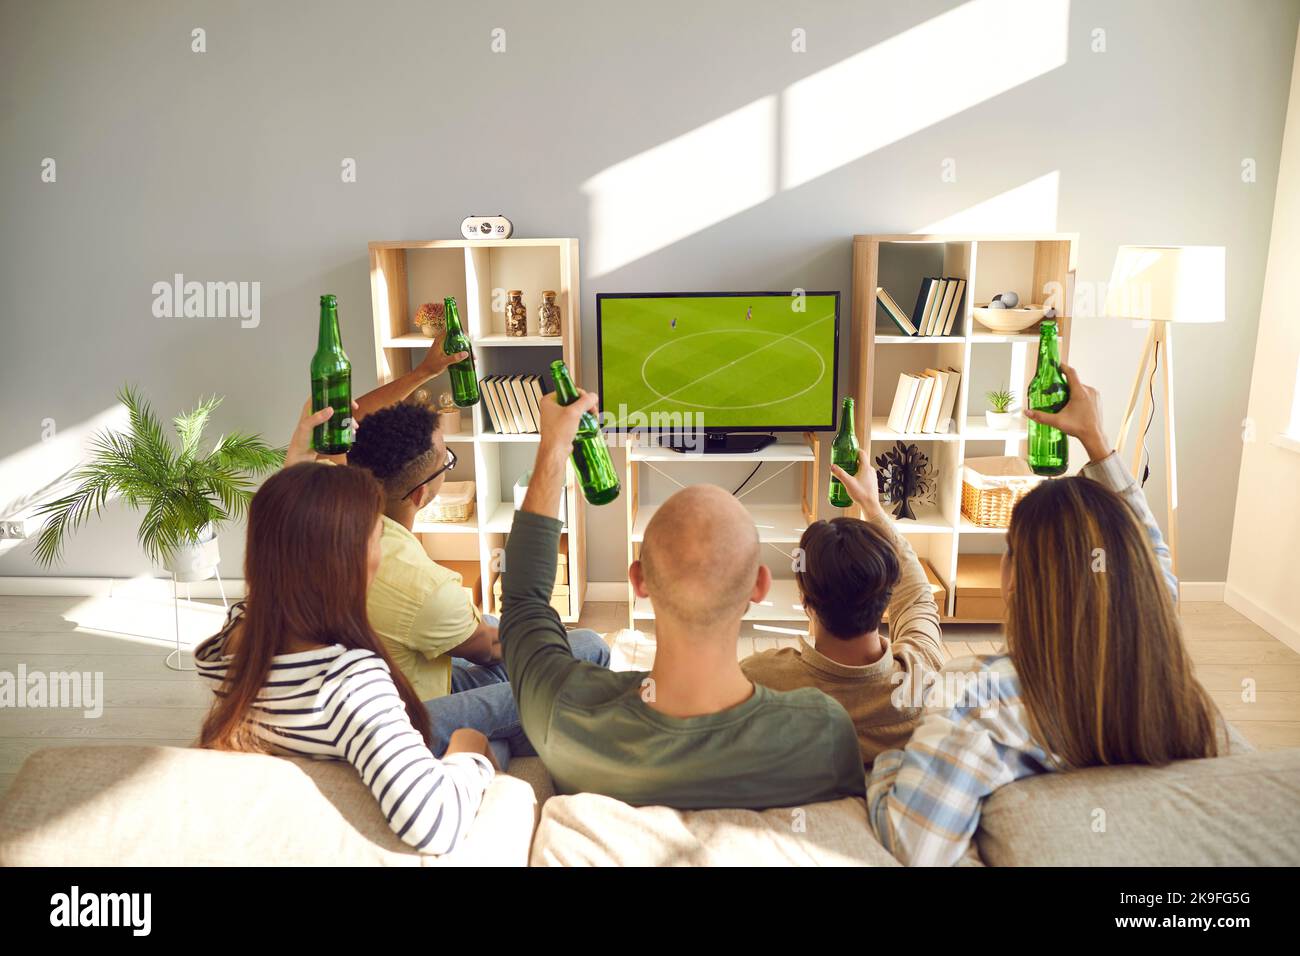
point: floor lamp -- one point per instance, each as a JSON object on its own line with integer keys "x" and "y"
{"x": 1163, "y": 285}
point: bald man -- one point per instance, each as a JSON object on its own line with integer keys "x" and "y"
{"x": 694, "y": 732}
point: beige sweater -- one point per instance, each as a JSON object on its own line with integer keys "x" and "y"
{"x": 913, "y": 651}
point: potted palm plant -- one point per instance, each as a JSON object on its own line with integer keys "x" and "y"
{"x": 186, "y": 493}
{"x": 999, "y": 414}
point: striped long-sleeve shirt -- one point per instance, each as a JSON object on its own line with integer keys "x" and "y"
{"x": 341, "y": 704}
{"x": 924, "y": 800}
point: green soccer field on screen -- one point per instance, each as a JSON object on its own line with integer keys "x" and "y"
{"x": 730, "y": 361}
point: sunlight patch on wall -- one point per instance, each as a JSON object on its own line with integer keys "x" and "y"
{"x": 916, "y": 79}
{"x": 682, "y": 186}
{"x": 1027, "y": 208}
{"x": 38, "y": 473}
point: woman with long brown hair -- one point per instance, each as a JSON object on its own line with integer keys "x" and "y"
{"x": 298, "y": 670}
{"x": 1095, "y": 672}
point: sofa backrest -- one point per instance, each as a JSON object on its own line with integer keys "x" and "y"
{"x": 1239, "y": 810}
{"x": 587, "y": 829}
{"x": 134, "y": 806}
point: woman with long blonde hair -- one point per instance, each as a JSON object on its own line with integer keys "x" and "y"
{"x": 1095, "y": 671}
{"x": 299, "y": 671}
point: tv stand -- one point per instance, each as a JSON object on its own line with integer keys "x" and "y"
{"x": 721, "y": 443}
{"x": 781, "y": 512}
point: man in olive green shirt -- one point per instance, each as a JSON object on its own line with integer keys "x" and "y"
{"x": 427, "y": 621}
{"x": 694, "y": 732}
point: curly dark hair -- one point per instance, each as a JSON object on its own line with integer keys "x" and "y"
{"x": 395, "y": 444}
{"x": 852, "y": 567}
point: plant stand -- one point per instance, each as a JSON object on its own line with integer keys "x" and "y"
{"x": 173, "y": 660}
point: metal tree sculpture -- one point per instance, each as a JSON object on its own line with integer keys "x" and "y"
{"x": 902, "y": 472}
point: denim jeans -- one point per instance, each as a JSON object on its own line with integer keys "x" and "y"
{"x": 481, "y": 698}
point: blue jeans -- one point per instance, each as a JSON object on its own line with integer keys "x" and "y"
{"x": 481, "y": 698}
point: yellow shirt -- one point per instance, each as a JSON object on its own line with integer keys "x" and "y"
{"x": 419, "y": 610}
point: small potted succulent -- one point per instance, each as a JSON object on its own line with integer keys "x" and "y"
{"x": 999, "y": 415}
{"x": 432, "y": 319}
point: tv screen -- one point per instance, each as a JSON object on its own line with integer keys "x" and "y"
{"x": 718, "y": 361}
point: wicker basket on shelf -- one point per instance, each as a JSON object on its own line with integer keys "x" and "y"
{"x": 992, "y": 487}
{"x": 454, "y": 504}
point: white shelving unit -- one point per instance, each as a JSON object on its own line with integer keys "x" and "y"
{"x": 477, "y": 272}
{"x": 1037, "y": 268}
{"x": 780, "y": 526}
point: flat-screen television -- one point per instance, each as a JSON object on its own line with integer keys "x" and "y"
{"x": 718, "y": 361}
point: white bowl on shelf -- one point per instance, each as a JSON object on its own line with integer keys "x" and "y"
{"x": 1008, "y": 321}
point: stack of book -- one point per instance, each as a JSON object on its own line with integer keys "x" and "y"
{"x": 512, "y": 403}
{"x": 938, "y": 305}
{"x": 924, "y": 401}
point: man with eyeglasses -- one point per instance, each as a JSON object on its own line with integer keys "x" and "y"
{"x": 434, "y": 633}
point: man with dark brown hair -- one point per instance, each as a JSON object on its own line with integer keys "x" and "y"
{"x": 849, "y": 573}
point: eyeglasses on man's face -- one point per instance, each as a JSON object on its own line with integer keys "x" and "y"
{"x": 449, "y": 464}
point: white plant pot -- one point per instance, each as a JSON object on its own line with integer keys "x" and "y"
{"x": 195, "y": 562}
{"x": 1000, "y": 421}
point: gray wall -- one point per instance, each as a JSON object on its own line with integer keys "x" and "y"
{"x": 225, "y": 166}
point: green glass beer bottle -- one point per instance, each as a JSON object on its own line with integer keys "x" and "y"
{"x": 464, "y": 378}
{"x": 590, "y": 453}
{"x": 845, "y": 453}
{"x": 331, "y": 384}
{"x": 1048, "y": 392}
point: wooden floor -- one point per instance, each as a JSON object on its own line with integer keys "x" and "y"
{"x": 126, "y": 639}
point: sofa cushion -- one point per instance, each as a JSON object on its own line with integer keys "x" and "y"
{"x": 133, "y": 806}
{"x": 1240, "y": 810}
{"x": 532, "y": 771}
{"x": 588, "y": 829}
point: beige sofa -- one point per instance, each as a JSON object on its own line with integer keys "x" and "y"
{"x": 166, "y": 805}
{"x": 135, "y": 806}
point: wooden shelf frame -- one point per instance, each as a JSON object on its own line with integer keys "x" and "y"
{"x": 404, "y": 273}
{"x": 779, "y": 526}
{"x": 1038, "y": 266}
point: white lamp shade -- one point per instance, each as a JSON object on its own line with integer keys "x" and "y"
{"x": 1168, "y": 284}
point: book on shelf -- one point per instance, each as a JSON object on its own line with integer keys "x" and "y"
{"x": 930, "y": 419}
{"x": 942, "y": 297}
{"x": 904, "y": 396}
{"x": 502, "y": 423}
{"x": 924, "y": 304}
{"x": 923, "y": 393}
{"x": 511, "y": 403}
{"x": 512, "y": 406}
{"x": 958, "y": 297}
{"x": 938, "y": 304}
{"x": 942, "y": 399}
{"x": 923, "y": 402}
{"x": 949, "y": 397}
{"x": 895, "y": 312}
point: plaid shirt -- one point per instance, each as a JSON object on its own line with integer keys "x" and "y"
{"x": 924, "y": 800}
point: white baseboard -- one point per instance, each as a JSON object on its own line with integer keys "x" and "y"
{"x": 1200, "y": 590}
{"x": 110, "y": 587}
{"x": 1287, "y": 633}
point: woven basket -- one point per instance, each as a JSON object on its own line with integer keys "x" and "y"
{"x": 453, "y": 505}
{"x": 992, "y": 487}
